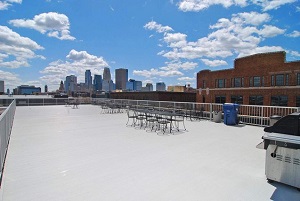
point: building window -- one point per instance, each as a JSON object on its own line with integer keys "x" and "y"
{"x": 298, "y": 78}
{"x": 279, "y": 80}
{"x": 256, "y": 100}
{"x": 220, "y": 99}
{"x": 279, "y": 100}
{"x": 272, "y": 80}
{"x": 220, "y": 83}
{"x": 256, "y": 81}
{"x": 251, "y": 81}
{"x": 237, "y": 99}
{"x": 262, "y": 81}
{"x": 204, "y": 84}
{"x": 297, "y": 101}
{"x": 238, "y": 82}
{"x": 287, "y": 77}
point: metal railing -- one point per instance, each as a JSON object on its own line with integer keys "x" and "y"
{"x": 42, "y": 101}
{"x": 6, "y": 122}
{"x": 248, "y": 114}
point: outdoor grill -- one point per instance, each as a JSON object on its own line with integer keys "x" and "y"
{"x": 282, "y": 142}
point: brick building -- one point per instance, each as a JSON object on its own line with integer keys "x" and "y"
{"x": 260, "y": 79}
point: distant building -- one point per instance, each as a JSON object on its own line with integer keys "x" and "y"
{"x": 138, "y": 85}
{"x": 176, "y": 88}
{"x": 108, "y": 85}
{"x": 46, "y": 88}
{"x": 160, "y": 86}
{"x": 97, "y": 83}
{"x": 27, "y": 90}
{"x": 134, "y": 85}
{"x": 148, "y": 87}
{"x": 81, "y": 87}
{"x": 121, "y": 78}
{"x": 260, "y": 79}
{"x": 88, "y": 79}
{"x": 106, "y": 74}
{"x": 61, "y": 87}
{"x": 1, "y": 87}
{"x": 71, "y": 84}
{"x": 130, "y": 85}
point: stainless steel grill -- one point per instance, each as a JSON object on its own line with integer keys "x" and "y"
{"x": 282, "y": 142}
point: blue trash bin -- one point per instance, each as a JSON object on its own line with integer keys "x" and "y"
{"x": 231, "y": 113}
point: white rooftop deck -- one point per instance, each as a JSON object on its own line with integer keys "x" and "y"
{"x": 60, "y": 153}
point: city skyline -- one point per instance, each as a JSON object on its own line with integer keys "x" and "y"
{"x": 43, "y": 42}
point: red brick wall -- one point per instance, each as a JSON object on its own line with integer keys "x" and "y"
{"x": 265, "y": 65}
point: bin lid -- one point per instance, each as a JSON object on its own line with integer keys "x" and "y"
{"x": 275, "y": 117}
{"x": 228, "y": 106}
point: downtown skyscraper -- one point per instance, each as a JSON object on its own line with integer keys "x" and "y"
{"x": 121, "y": 78}
{"x": 88, "y": 79}
{"x": 107, "y": 83}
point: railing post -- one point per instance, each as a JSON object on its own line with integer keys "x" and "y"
{"x": 210, "y": 111}
{"x": 262, "y": 116}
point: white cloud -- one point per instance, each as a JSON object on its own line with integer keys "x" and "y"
{"x": 186, "y": 79}
{"x": 157, "y": 27}
{"x": 15, "y": 49}
{"x": 239, "y": 35}
{"x": 271, "y": 31}
{"x": 272, "y": 4}
{"x": 54, "y": 24}
{"x": 251, "y": 18}
{"x": 175, "y": 39}
{"x": 262, "y": 49}
{"x": 199, "y": 5}
{"x": 294, "y": 34}
{"x": 11, "y": 80}
{"x": 154, "y": 72}
{"x": 214, "y": 63}
{"x": 295, "y": 53}
{"x": 76, "y": 64}
{"x": 177, "y": 65}
{"x": 4, "y": 5}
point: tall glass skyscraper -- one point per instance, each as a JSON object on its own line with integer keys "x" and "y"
{"x": 107, "y": 83}
{"x": 106, "y": 74}
{"x": 121, "y": 78}
{"x": 88, "y": 79}
{"x": 71, "y": 84}
{"x": 97, "y": 82}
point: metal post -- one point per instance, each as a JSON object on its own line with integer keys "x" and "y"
{"x": 210, "y": 111}
{"x": 262, "y": 116}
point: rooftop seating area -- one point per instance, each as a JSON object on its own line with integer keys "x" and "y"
{"x": 60, "y": 153}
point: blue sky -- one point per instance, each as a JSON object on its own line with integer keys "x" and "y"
{"x": 43, "y": 41}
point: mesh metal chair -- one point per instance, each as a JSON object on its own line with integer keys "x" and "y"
{"x": 131, "y": 115}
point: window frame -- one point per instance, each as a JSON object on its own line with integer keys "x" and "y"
{"x": 279, "y": 82}
{"x": 239, "y": 99}
{"x": 257, "y": 100}
{"x": 256, "y": 83}
{"x": 222, "y": 99}
{"x": 279, "y": 100}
